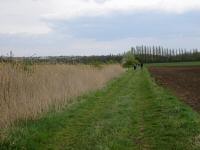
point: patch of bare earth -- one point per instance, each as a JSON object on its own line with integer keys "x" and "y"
{"x": 184, "y": 81}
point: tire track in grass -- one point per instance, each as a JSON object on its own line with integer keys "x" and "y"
{"x": 163, "y": 122}
{"x": 104, "y": 123}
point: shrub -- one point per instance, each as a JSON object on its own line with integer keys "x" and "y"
{"x": 129, "y": 60}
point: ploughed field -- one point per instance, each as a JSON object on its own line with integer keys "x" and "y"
{"x": 184, "y": 81}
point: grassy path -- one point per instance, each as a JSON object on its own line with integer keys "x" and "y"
{"x": 130, "y": 113}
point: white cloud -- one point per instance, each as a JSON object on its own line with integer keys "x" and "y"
{"x": 64, "y": 9}
{"x": 22, "y": 16}
{"x": 29, "y": 16}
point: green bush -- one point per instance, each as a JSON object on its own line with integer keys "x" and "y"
{"x": 129, "y": 60}
{"x": 97, "y": 64}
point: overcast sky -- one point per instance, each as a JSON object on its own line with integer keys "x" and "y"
{"x": 87, "y": 27}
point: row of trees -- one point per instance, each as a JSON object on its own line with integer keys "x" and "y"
{"x": 154, "y": 54}
{"x": 106, "y": 59}
{"x": 144, "y": 54}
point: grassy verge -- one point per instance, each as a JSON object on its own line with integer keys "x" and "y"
{"x": 132, "y": 112}
{"x": 175, "y": 64}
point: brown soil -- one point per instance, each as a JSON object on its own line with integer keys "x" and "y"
{"x": 184, "y": 81}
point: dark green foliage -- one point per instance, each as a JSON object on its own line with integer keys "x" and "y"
{"x": 158, "y": 54}
{"x": 144, "y": 54}
{"x": 89, "y": 60}
{"x": 96, "y": 64}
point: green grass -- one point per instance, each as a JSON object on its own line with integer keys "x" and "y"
{"x": 175, "y": 64}
{"x": 132, "y": 112}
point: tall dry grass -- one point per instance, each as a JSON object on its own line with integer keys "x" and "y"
{"x": 25, "y": 93}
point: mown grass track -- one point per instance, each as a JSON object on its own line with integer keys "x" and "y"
{"x": 132, "y": 112}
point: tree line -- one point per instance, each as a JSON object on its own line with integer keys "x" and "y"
{"x": 104, "y": 59}
{"x": 144, "y": 54}
{"x": 159, "y": 54}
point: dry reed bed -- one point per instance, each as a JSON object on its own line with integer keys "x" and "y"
{"x": 26, "y": 94}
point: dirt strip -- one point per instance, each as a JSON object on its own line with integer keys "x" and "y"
{"x": 184, "y": 81}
